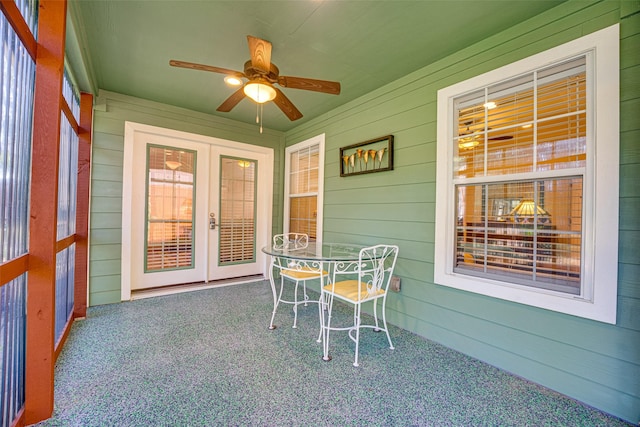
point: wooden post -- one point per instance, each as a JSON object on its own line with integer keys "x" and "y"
{"x": 82, "y": 205}
{"x": 44, "y": 206}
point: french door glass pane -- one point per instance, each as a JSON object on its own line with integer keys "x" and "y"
{"x": 237, "y": 223}
{"x": 170, "y": 195}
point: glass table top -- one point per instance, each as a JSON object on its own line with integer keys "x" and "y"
{"x": 318, "y": 252}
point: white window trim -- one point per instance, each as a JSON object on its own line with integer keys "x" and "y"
{"x": 601, "y": 187}
{"x": 316, "y": 140}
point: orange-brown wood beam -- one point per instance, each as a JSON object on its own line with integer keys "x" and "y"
{"x": 82, "y": 206}
{"x": 42, "y": 228}
{"x": 69, "y": 115}
{"x": 19, "y": 420}
{"x": 11, "y": 11}
{"x": 63, "y": 244}
{"x": 11, "y": 269}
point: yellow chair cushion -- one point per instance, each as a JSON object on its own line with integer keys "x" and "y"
{"x": 349, "y": 289}
{"x": 303, "y": 273}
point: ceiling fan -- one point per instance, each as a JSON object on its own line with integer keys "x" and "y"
{"x": 261, "y": 75}
{"x": 469, "y": 139}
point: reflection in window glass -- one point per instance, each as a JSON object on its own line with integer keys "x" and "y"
{"x": 526, "y": 232}
{"x": 170, "y": 195}
{"x": 237, "y": 211}
{"x": 511, "y": 229}
{"x": 303, "y": 185}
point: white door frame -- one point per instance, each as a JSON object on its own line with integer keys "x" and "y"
{"x": 265, "y": 204}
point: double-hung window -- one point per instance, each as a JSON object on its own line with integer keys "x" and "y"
{"x": 304, "y": 181}
{"x": 527, "y": 189}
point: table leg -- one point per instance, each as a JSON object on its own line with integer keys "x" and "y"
{"x": 273, "y": 290}
{"x": 324, "y": 305}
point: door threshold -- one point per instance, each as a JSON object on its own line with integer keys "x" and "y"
{"x": 190, "y": 287}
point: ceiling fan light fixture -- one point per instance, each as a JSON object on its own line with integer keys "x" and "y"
{"x": 467, "y": 143}
{"x": 233, "y": 81}
{"x": 172, "y": 164}
{"x": 259, "y": 91}
{"x": 490, "y": 105}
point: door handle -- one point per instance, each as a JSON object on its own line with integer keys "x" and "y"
{"x": 212, "y": 221}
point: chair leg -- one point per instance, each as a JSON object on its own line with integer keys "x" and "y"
{"x": 375, "y": 314}
{"x": 326, "y": 330}
{"x": 321, "y": 314}
{"x": 356, "y": 325}
{"x": 276, "y": 302}
{"x": 295, "y": 306}
{"x": 384, "y": 322}
{"x": 304, "y": 289}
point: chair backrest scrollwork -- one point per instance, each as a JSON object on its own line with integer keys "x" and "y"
{"x": 290, "y": 241}
{"x": 374, "y": 267}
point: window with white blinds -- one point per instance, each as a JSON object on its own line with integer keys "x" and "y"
{"x": 304, "y": 181}
{"x": 522, "y": 230}
{"x": 237, "y": 224}
{"x": 516, "y": 213}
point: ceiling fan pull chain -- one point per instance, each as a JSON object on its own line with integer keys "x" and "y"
{"x": 261, "y": 105}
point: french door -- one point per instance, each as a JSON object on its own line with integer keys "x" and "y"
{"x": 199, "y": 208}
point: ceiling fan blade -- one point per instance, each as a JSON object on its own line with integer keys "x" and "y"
{"x": 324, "y": 86}
{"x": 202, "y": 67}
{"x": 286, "y": 105}
{"x": 260, "y": 51}
{"x": 232, "y": 101}
{"x": 501, "y": 138}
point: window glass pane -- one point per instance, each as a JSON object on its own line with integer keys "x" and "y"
{"x": 13, "y": 318}
{"x": 511, "y": 103}
{"x": 526, "y": 232}
{"x": 562, "y": 143}
{"x": 303, "y": 175}
{"x": 29, "y": 11}
{"x": 304, "y": 185}
{"x": 70, "y": 94}
{"x": 470, "y": 129}
{"x": 314, "y": 158}
{"x": 170, "y": 195}
{"x": 303, "y": 216}
{"x": 510, "y": 152}
{"x": 65, "y": 276}
{"x": 67, "y": 179}
{"x": 562, "y": 89}
{"x": 17, "y": 72}
{"x": 533, "y": 122}
{"x": 237, "y": 211}
{"x": 68, "y": 164}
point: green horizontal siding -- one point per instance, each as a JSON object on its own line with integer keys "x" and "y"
{"x": 594, "y": 362}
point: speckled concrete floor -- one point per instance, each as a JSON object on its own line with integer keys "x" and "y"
{"x": 207, "y": 358}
